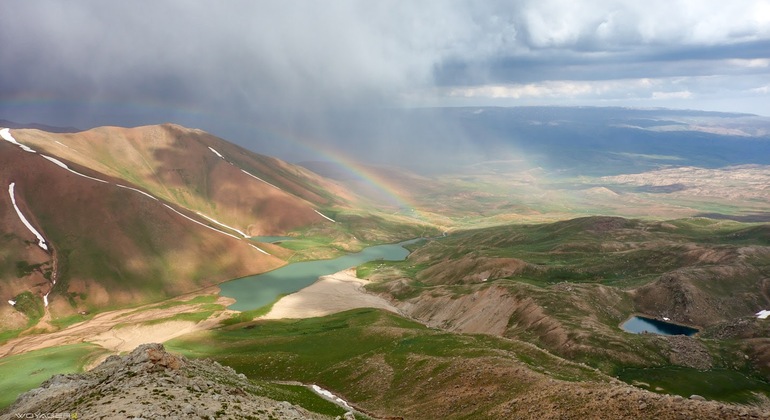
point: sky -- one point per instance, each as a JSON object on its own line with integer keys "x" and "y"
{"x": 296, "y": 71}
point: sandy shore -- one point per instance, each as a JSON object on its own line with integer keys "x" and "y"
{"x": 330, "y": 294}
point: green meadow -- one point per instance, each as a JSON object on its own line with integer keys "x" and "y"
{"x": 20, "y": 373}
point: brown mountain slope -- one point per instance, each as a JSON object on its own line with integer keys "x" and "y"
{"x": 107, "y": 245}
{"x": 255, "y": 194}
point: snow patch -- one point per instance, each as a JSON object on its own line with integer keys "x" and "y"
{"x": 40, "y": 240}
{"x": 139, "y": 191}
{"x": 259, "y": 249}
{"x": 89, "y": 177}
{"x": 5, "y": 133}
{"x": 324, "y": 393}
{"x": 763, "y": 314}
{"x": 216, "y": 153}
{"x": 56, "y": 161}
{"x": 325, "y": 217}
{"x": 11, "y": 302}
{"x": 256, "y": 177}
{"x": 202, "y": 224}
{"x": 665, "y": 318}
{"x": 63, "y": 165}
{"x": 222, "y": 224}
{"x": 45, "y": 299}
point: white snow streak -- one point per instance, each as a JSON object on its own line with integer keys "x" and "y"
{"x": 259, "y": 249}
{"x": 202, "y": 224}
{"x": 222, "y": 224}
{"x": 40, "y": 240}
{"x": 86, "y": 176}
{"x": 63, "y": 165}
{"x": 12, "y": 302}
{"x": 329, "y": 395}
{"x": 763, "y": 314}
{"x": 5, "y": 133}
{"x": 62, "y": 144}
{"x": 325, "y": 217}
{"x": 56, "y": 161}
{"x": 216, "y": 153}
{"x": 215, "y": 230}
{"x": 45, "y": 299}
{"x": 139, "y": 191}
{"x": 256, "y": 177}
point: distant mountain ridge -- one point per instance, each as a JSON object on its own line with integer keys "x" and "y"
{"x": 37, "y": 126}
{"x": 593, "y": 141}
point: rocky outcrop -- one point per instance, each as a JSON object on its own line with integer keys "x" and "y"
{"x": 151, "y": 383}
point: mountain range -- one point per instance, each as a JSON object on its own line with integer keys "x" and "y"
{"x": 561, "y": 225}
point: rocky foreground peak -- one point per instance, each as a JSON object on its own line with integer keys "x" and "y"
{"x": 151, "y": 383}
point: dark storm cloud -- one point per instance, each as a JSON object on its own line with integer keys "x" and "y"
{"x": 312, "y": 66}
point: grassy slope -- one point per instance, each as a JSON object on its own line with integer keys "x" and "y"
{"x": 23, "y": 372}
{"x": 573, "y": 282}
{"x": 384, "y": 362}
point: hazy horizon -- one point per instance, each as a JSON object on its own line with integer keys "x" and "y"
{"x": 278, "y": 77}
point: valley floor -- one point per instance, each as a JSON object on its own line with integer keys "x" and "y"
{"x": 125, "y": 329}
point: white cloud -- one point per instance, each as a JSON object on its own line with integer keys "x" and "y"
{"x": 558, "y": 23}
{"x": 751, "y": 63}
{"x": 555, "y": 89}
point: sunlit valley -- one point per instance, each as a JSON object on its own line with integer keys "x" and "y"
{"x": 518, "y": 267}
{"x": 419, "y": 211}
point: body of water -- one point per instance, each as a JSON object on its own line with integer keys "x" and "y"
{"x": 253, "y": 292}
{"x": 640, "y": 324}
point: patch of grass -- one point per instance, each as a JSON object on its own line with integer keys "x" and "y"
{"x": 714, "y": 384}
{"x": 9, "y": 334}
{"x": 195, "y": 317}
{"x": 23, "y": 268}
{"x": 206, "y": 302}
{"x": 66, "y": 321}
{"x": 302, "y": 396}
{"x": 30, "y": 305}
{"x": 247, "y": 316}
{"x": 306, "y": 243}
{"x": 20, "y": 373}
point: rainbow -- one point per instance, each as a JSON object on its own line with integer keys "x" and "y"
{"x": 376, "y": 182}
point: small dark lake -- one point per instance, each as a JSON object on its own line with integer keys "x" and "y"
{"x": 640, "y": 324}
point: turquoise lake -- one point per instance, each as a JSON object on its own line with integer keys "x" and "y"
{"x": 640, "y": 324}
{"x": 255, "y": 291}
